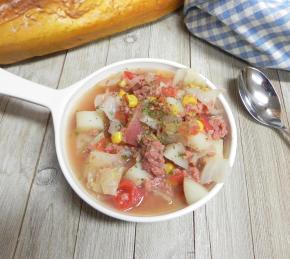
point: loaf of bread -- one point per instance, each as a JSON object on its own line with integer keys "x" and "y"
{"x": 31, "y": 28}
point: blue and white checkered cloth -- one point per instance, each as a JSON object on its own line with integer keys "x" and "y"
{"x": 257, "y": 31}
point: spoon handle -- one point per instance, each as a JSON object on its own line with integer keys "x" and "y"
{"x": 286, "y": 131}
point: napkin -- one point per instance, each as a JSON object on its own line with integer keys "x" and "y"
{"x": 257, "y": 31}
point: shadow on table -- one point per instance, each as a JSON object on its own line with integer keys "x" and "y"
{"x": 92, "y": 214}
{"x": 25, "y": 110}
{"x": 283, "y": 137}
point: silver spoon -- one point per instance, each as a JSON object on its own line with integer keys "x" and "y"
{"x": 260, "y": 98}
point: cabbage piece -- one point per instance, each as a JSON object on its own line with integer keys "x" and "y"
{"x": 149, "y": 121}
{"x": 99, "y": 99}
{"x": 169, "y": 132}
{"x": 126, "y": 154}
{"x": 218, "y": 147}
{"x": 180, "y": 94}
{"x": 175, "y": 152}
{"x": 193, "y": 191}
{"x": 198, "y": 155}
{"x": 162, "y": 85}
{"x": 110, "y": 105}
{"x": 82, "y": 141}
{"x": 137, "y": 175}
{"x": 115, "y": 126}
{"x": 110, "y": 179}
{"x": 100, "y": 159}
{"x": 112, "y": 81}
{"x": 92, "y": 178}
{"x": 192, "y": 76}
{"x": 199, "y": 142}
{"x": 88, "y": 120}
{"x": 163, "y": 195}
{"x": 215, "y": 170}
{"x": 204, "y": 96}
{"x": 175, "y": 102}
{"x": 188, "y": 76}
{"x": 179, "y": 76}
{"x": 100, "y": 136}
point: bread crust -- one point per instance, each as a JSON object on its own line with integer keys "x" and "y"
{"x": 32, "y": 28}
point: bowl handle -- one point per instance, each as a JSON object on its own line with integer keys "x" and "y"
{"x": 18, "y": 87}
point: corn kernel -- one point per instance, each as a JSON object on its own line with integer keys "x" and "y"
{"x": 132, "y": 100}
{"x": 193, "y": 85}
{"x": 122, "y": 83}
{"x": 151, "y": 98}
{"x": 189, "y": 99}
{"x": 168, "y": 168}
{"x": 117, "y": 137}
{"x": 174, "y": 109}
{"x": 201, "y": 87}
{"x": 204, "y": 88}
{"x": 122, "y": 93}
{"x": 200, "y": 125}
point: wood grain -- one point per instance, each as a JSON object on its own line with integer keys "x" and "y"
{"x": 22, "y": 129}
{"x": 3, "y": 104}
{"x": 284, "y": 78}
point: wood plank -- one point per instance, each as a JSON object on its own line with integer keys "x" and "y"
{"x": 175, "y": 238}
{"x": 227, "y": 215}
{"x": 51, "y": 220}
{"x": 267, "y": 174}
{"x": 95, "y": 238}
{"x": 3, "y": 104}
{"x": 284, "y": 78}
{"x": 52, "y": 202}
{"x": 131, "y": 44}
{"x": 169, "y": 239}
{"x": 202, "y": 242}
{"x": 22, "y": 130}
{"x": 83, "y": 61}
{"x": 100, "y": 236}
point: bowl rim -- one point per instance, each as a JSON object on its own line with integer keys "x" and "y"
{"x": 62, "y": 118}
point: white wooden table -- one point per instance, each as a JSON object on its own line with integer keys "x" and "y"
{"x": 41, "y": 217}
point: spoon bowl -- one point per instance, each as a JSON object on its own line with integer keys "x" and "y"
{"x": 260, "y": 98}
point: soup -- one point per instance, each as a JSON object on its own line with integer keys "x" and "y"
{"x": 149, "y": 142}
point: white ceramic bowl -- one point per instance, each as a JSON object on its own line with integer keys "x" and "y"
{"x": 61, "y": 102}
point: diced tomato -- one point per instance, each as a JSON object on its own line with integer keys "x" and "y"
{"x": 205, "y": 120}
{"x": 122, "y": 117}
{"x": 128, "y": 75}
{"x": 194, "y": 130}
{"x": 128, "y": 195}
{"x": 180, "y": 193}
{"x": 112, "y": 148}
{"x": 101, "y": 145}
{"x": 186, "y": 129}
{"x": 177, "y": 177}
{"x": 163, "y": 79}
{"x": 169, "y": 91}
